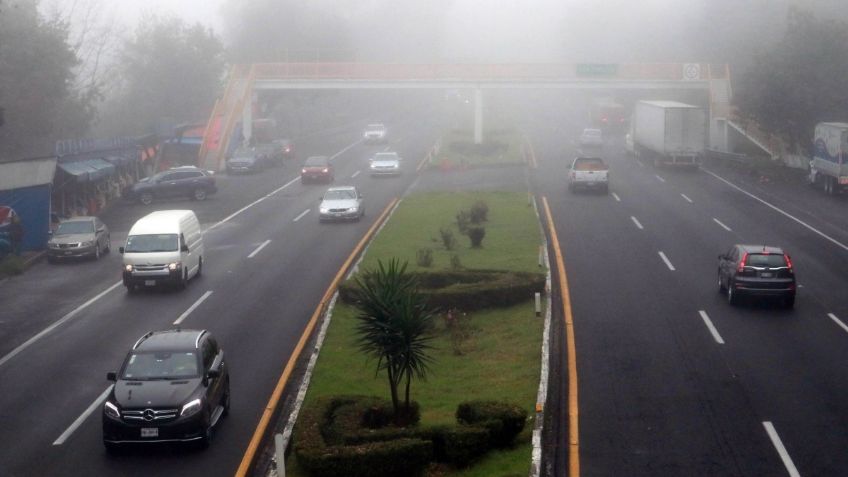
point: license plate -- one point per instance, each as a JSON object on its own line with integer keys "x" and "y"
{"x": 767, "y": 274}
{"x": 149, "y": 283}
{"x": 68, "y": 253}
{"x": 149, "y": 432}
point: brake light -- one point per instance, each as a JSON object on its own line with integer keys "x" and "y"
{"x": 788, "y": 261}
{"x": 741, "y": 266}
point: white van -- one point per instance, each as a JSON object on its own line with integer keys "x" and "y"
{"x": 163, "y": 248}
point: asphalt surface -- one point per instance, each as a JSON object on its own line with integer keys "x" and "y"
{"x": 659, "y": 392}
{"x": 257, "y": 309}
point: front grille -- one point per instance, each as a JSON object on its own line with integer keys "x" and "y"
{"x": 149, "y": 268}
{"x": 150, "y": 415}
{"x": 338, "y": 210}
{"x": 69, "y": 245}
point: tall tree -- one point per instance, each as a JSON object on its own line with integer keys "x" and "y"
{"x": 36, "y": 83}
{"x": 395, "y": 327}
{"x": 168, "y": 69}
{"x": 802, "y": 80}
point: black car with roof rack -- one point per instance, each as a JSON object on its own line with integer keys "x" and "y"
{"x": 174, "y": 386}
{"x": 756, "y": 270}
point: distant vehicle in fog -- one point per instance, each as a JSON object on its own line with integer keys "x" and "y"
{"x": 591, "y": 137}
{"x": 183, "y": 181}
{"x": 375, "y": 133}
{"x": 829, "y": 165}
{"x": 590, "y": 173}
{"x": 669, "y": 133}
{"x": 249, "y": 159}
{"x": 608, "y": 115}
{"x": 317, "y": 168}
{"x": 385, "y": 163}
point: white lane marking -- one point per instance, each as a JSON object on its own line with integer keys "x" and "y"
{"x": 260, "y": 247}
{"x": 721, "y": 224}
{"x": 784, "y": 456}
{"x": 667, "y": 261}
{"x": 345, "y": 149}
{"x": 838, "y": 321}
{"x": 779, "y": 210}
{"x": 82, "y": 417}
{"x": 686, "y": 197}
{"x": 266, "y": 196}
{"x": 301, "y": 215}
{"x": 355, "y": 174}
{"x": 659, "y": 178}
{"x": 58, "y": 322}
{"x": 710, "y": 326}
{"x": 387, "y": 148}
{"x": 193, "y": 307}
{"x": 640, "y": 163}
{"x": 616, "y": 197}
{"x": 635, "y": 221}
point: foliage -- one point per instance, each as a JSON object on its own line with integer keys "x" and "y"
{"x": 503, "y": 420}
{"x": 37, "y": 67}
{"x": 424, "y": 257}
{"x": 476, "y": 234}
{"x": 800, "y": 81}
{"x": 169, "y": 70}
{"x": 456, "y": 262}
{"x": 395, "y": 327}
{"x": 460, "y": 445}
{"x": 448, "y": 239}
{"x": 463, "y": 221}
{"x": 459, "y": 327}
{"x": 479, "y": 212}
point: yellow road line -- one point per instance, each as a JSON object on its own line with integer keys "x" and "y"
{"x": 573, "y": 415}
{"x": 265, "y": 420}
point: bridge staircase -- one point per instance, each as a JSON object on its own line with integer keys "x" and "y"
{"x": 225, "y": 116}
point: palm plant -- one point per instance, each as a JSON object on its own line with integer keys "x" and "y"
{"x": 395, "y": 327}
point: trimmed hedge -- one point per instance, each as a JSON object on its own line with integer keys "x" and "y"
{"x": 504, "y": 421}
{"x": 469, "y": 290}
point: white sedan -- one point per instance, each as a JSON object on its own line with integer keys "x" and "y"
{"x": 385, "y": 163}
{"x": 341, "y": 203}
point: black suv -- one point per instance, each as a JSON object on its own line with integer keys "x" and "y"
{"x": 760, "y": 270}
{"x": 183, "y": 181}
{"x": 173, "y": 387}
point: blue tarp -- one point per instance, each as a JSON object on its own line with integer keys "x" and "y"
{"x": 32, "y": 205}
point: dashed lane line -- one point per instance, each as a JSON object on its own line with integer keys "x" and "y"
{"x": 355, "y": 174}
{"x": 686, "y": 198}
{"x": 82, "y": 417}
{"x": 722, "y": 225}
{"x": 781, "y": 450}
{"x": 301, "y": 215}
{"x": 838, "y": 321}
{"x": 667, "y": 261}
{"x": 259, "y": 248}
{"x": 615, "y": 196}
{"x": 193, "y": 307}
{"x": 636, "y": 221}
{"x": 717, "y": 337}
{"x": 659, "y": 178}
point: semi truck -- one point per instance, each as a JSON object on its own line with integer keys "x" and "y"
{"x": 829, "y": 165}
{"x": 669, "y": 133}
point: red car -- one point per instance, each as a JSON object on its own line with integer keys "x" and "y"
{"x": 317, "y": 168}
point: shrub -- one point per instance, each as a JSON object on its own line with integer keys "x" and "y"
{"x": 11, "y": 265}
{"x": 456, "y": 263}
{"x": 458, "y": 325}
{"x": 479, "y": 212}
{"x": 448, "y": 239}
{"x": 476, "y": 234}
{"x": 503, "y": 420}
{"x": 424, "y": 257}
{"x": 463, "y": 221}
{"x": 459, "y": 445}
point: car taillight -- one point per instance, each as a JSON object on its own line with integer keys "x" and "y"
{"x": 788, "y": 262}
{"x": 741, "y": 266}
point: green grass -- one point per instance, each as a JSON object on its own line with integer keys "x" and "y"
{"x": 447, "y": 157}
{"x": 501, "y": 359}
{"x": 512, "y": 232}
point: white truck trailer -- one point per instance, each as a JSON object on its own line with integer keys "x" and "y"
{"x": 829, "y": 165}
{"x": 669, "y": 133}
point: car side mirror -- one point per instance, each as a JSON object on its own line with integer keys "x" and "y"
{"x": 121, "y": 250}
{"x": 213, "y": 373}
{"x": 111, "y": 376}
{"x": 184, "y": 248}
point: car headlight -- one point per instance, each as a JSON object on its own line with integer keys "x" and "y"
{"x": 373, "y": 166}
{"x": 174, "y": 266}
{"x": 53, "y": 245}
{"x": 87, "y": 244}
{"x": 111, "y": 410}
{"x": 128, "y": 267}
{"x": 190, "y": 408}
{"x": 353, "y": 209}
{"x": 323, "y": 210}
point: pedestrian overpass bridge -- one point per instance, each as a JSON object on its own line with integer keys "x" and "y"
{"x": 236, "y": 105}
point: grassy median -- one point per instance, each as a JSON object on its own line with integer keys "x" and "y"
{"x": 500, "y": 147}
{"x": 499, "y": 357}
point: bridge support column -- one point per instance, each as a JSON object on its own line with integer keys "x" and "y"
{"x": 247, "y": 120}
{"x": 478, "y": 116}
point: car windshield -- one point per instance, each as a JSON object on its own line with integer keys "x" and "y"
{"x": 339, "y": 195}
{"x": 77, "y": 227}
{"x": 375, "y": 127}
{"x": 387, "y": 156}
{"x": 161, "y": 365}
{"x": 315, "y": 162}
{"x": 765, "y": 260}
{"x": 244, "y": 154}
{"x": 592, "y": 132}
{"x": 152, "y": 243}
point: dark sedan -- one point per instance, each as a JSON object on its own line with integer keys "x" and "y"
{"x": 756, "y": 270}
{"x": 183, "y": 181}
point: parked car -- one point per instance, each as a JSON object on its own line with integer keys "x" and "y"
{"x": 591, "y": 137}
{"x": 249, "y": 159}
{"x": 385, "y": 163}
{"x": 79, "y": 237}
{"x": 375, "y": 133}
{"x": 286, "y": 147}
{"x": 317, "y": 168}
{"x": 588, "y": 173}
{"x": 756, "y": 270}
{"x": 173, "y": 386}
{"x": 183, "y": 181}
{"x": 341, "y": 203}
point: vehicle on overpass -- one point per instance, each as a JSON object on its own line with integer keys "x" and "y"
{"x": 669, "y": 133}
{"x": 590, "y": 173}
{"x": 174, "y": 386}
{"x": 829, "y": 165}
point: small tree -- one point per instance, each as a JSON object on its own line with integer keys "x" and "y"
{"x": 395, "y": 327}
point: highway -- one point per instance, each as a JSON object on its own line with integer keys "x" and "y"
{"x": 672, "y": 379}
{"x": 268, "y": 263}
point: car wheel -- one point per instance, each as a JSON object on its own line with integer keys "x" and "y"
{"x": 720, "y": 283}
{"x": 789, "y": 302}
{"x": 199, "y": 267}
{"x": 97, "y": 251}
{"x": 146, "y": 198}
{"x": 130, "y": 288}
{"x": 206, "y": 440}
{"x": 732, "y": 296}
{"x": 108, "y": 248}
{"x": 112, "y": 448}
{"x": 225, "y": 399}
{"x": 199, "y": 194}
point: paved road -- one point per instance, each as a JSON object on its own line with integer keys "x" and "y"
{"x": 672, "y": 379}
{"x": 258, "y": 307}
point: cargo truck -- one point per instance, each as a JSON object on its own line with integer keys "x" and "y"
{"x": 829, "y": 165}
{"x": 669, "y": 133}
